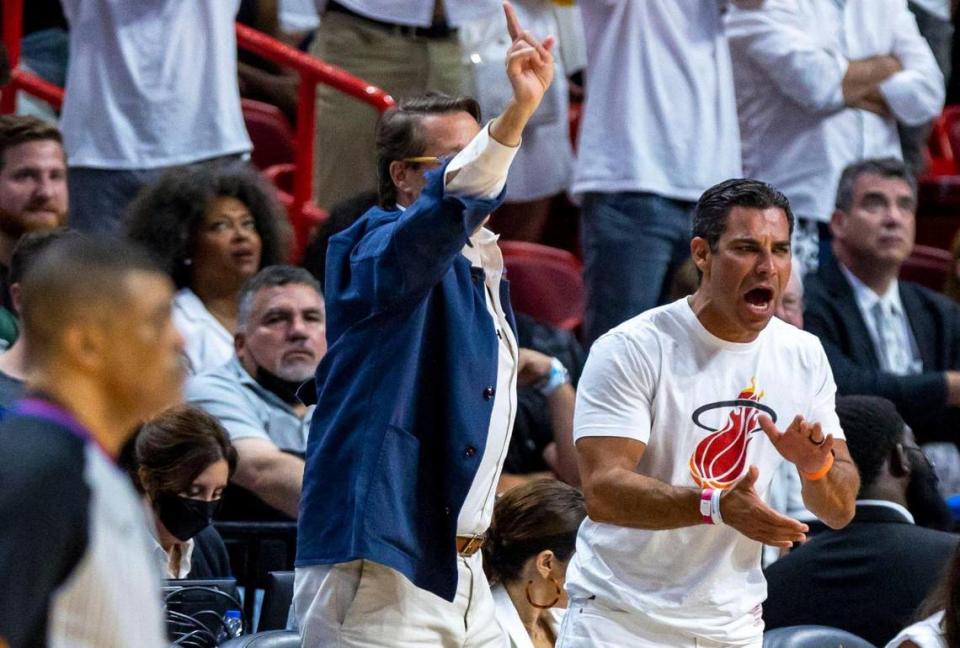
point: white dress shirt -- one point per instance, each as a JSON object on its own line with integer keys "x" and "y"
{"x": 789, "y": 60}
{"x": 163, "y": 559}
{"x": 902, "y": 510}
{"x": 417, "y": 13}
{"x": 480, "y": 170}
{"x": 867, "y": 301}
{"x": 660, "y": 114}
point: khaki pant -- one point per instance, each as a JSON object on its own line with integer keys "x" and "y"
{"x": 404, "y": 66}
{"x": 362, "y": 604}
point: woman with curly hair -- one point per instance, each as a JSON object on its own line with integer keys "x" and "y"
{"x": 211, "y": 229}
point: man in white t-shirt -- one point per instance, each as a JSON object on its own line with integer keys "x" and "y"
{"x": 659, "y": 126}
{"x": 675, "y": 468}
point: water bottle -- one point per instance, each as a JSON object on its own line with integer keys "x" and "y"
{"x": 232, "y": 624}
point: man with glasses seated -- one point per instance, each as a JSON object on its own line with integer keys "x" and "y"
{"x": 417, "y": 394}
{"x": 869, "y": 577}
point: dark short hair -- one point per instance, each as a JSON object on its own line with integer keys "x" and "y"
{"x": 342, "y": 215}
{"x": 536, "y": 516}
{"x": 399, "y": 135}
{"x": 271, "y": 277}
{"x": 29, "y": 248}
{"x": 883, "y": 167}
{"x": 18, "y": 129}
{"x": 165, "y": 217}
{"x": 713, "y": 208}
{"x": 72, "y": 278}
{"x": 873, "y": 428}
{"x": 175, "y": 447}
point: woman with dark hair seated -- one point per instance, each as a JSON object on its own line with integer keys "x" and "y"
{"x": 211, "y": 229}
{"x": 528, "y": 546}
{"x": 938, "y": 619}
{"x": 184, "y": 460}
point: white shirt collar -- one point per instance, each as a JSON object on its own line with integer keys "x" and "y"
{"x": 867, "y": 299}
{"x": 162, "y": 558}
{"x": 890, "y": 505}
{"x": 509, "y": 619}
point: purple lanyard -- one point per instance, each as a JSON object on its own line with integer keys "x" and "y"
{"x": 43, "y": 409}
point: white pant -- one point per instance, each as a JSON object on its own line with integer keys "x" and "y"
{"x": 587, "y": 626}
{"x": 364, "y": 604}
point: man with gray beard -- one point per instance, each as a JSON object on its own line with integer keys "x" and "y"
{"x": 280, "y": 340}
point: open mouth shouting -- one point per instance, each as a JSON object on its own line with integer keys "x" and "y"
{"x": 760, "y": 300}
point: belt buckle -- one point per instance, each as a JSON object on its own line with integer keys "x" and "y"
{"x": 472, "y": 546}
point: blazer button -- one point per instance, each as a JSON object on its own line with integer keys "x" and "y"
{"x": 489, "y": 392}
{"x": 470, "y": 451}
{"x": 446, "y": 510}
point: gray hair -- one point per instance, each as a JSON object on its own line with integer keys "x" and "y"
{"x": 883, "y": 167}
{"x": 271, "y": 277}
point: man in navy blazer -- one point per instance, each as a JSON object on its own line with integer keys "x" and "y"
{"x": 417, "y": 393}
{"x": 869, "y": 577}
{"x": 885, "y": 337}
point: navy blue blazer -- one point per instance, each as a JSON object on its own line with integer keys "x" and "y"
{"x": 833, "y": 316}
{"x": 405, "y": 391}
{"x": 867, "y": 578}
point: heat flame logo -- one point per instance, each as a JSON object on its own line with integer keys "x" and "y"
{"x": 720, "y": 457}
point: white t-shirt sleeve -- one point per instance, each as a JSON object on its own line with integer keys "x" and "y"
{"x": 615, "y": 393}
{"x": 823, "y": 409}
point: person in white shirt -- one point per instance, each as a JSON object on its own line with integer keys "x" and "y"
{"x": 822, "y": 84}
{"x": 423, "y": 357}
{"x": 659, "y": 127}
{"x": 212, "y": 230}
{"x": 528, "y": 546}
{"x": 150, "y": 85}
{"x": 678, "y": 431}
{"x": 883, "y": 336}
{"x": 406, "y": 47}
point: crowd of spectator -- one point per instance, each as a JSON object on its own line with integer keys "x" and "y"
{"x": 167, "y": 364}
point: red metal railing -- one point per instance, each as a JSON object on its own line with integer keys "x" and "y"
{"x": 310, "y": 70}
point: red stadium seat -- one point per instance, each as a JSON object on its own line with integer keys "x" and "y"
{"x": 281, "y": 177}
{"x": 927, "y": 266}
{"x": 545, "y": 283}
{"x": 270, "y": 132}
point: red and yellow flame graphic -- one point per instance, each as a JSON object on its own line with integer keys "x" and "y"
{"x": 720, "y": 457}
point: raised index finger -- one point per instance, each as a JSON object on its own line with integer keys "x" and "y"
{"x": 513, "y": 23}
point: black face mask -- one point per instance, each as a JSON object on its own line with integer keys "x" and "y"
{"x": 184, "y": 517}
{"x": 923, "y": 497}
{"x": 285, "y": 390}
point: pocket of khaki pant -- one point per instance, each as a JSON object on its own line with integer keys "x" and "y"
{"x": 349, "y": 577}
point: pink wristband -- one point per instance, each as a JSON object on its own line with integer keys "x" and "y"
{"x": 706, "y": 495}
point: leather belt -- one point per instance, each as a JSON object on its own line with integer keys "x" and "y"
{"x": 469, "y": 545}
{"x": 437, "y": 30}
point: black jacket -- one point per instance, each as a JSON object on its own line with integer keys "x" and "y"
{"x": 833, "y": 316}
{"x": 867, "y": 578}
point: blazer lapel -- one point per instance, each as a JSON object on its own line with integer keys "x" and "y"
{"x": 861, "y": 344}
{"x": 919, "y": 324}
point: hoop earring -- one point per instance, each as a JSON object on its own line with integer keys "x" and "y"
{"x": 549, "y": 605}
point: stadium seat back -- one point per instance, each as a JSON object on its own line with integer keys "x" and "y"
{"x": 545, "y": 283}
{"x": 270, "y": 132}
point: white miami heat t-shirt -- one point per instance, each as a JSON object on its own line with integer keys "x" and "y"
{"x": 694, "y": 400}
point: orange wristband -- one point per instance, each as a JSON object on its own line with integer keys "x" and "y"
{"x": 820, "y": 474}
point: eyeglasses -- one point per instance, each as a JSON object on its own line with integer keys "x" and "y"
{"x": 432, "y": 160}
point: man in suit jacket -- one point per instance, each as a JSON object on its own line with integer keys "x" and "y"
{"x": 869, "y": 577}
{"x": 885, "y": 337}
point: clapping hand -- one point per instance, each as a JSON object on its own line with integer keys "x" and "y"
{"x": 802, "y": 443}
